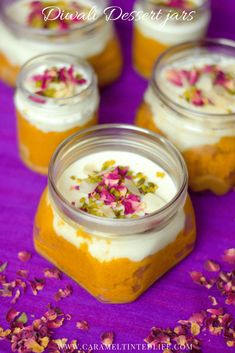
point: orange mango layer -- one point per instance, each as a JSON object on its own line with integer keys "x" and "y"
{"x": 211, "y": 167}
{"x": 108, "y": 65}
{"x": 36, "y": 146}
{"x": 8, "y": 71}
{"x": 120, "y": 280}
{"x": 145, "y": 52}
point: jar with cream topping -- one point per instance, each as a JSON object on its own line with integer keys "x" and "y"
{"x": 56, "y": 96}
{"x": 166, "y": 23}
{"x": 191, "y": 101}
{"x": 78, "y": 27}
{"x": 116, "y": 215}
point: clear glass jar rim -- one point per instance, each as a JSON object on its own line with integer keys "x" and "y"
{"x": 46, "y": 32}
{"x": 187, "y": 112}
{"x": 51, "y": 101}
{"x": 120, "y": 226}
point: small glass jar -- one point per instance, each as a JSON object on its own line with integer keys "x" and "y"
{"x": 94, "y": 39}
{"x": 43, "y": 121}
{"x": 114, "y": 259}
{"x": 163, "y": 26}
{"x": 190, "y": 100}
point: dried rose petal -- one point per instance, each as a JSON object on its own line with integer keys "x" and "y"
{"x": 37, "y": 285}
{"x": 20, "y": 283}
{"x": 37, "y": 99}
{"x": 6, "y": 291}
{"x": 82, "y": 325}
{"x": 51, "y": 314}
{"x": 213, "y": 300}
{"x": 107, "y": 338}
{"x": 63, "y": 293}
{"x": 212, "y": 266}
{"x": 230, "y": 299}
{"x": 229, "y": 256}
{"x": 56, "y": 323}
{"x": 52, "y": 273}
{"x": 224, "y": 276}
{"x": 11, "y": 314}
{"x": 24, "y": 256}
{"x": 197, "y": 277}
{"x": 215, "y": 311}
{"x": 181, "y": 4}
{"x": 191, "y": 76}
{"x": 16, "y": 296}
{"x": 225, "y": 320}
{"x": 3, "y": 278}
{"x": 175, "y": 77}
{"x": 22, "y": 273}
{"x": 198, "y": 317}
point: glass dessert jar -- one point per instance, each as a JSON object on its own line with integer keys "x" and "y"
{"x": 30, "y": 28}
{"x": 191, "y": 101}
{"x": 116, "y": 215}
{"x": 166, "y": 23}
{"x": 56, "y": 95}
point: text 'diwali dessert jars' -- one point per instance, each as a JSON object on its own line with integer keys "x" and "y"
{"x": 30, "y": 28}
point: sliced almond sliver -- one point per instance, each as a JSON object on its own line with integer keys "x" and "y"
{"x": 89, "y": 168}
{"x": 152, "y": 202}
{"x": 86, "y": 187}
{"x": 108, "y": 212}
{"x": 205, "y": 83}
{"x": 132, "y": 187}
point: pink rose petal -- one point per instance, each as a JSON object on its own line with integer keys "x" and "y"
{"x": 107, "y": 338}
{"x": 212, "y": 266}
{"x": 229, "y": 256}
{"x": 24, "y": 256}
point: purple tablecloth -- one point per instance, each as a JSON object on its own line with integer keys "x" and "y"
{"x": 173, "y": 297}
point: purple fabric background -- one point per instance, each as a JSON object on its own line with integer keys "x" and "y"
{"x": 173, "y": 297}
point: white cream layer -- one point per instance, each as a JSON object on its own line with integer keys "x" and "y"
{"x": 183, "y": 132}
{"x": 173, "y": 32}
{"x": 84, "y": 166}
{"x": 186, "y": 133}
{"x": 18, "y": 50}
{"x": 134, "y": 247}
{"x": 56, "y": 116}
{"x": 222, "y": 101}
